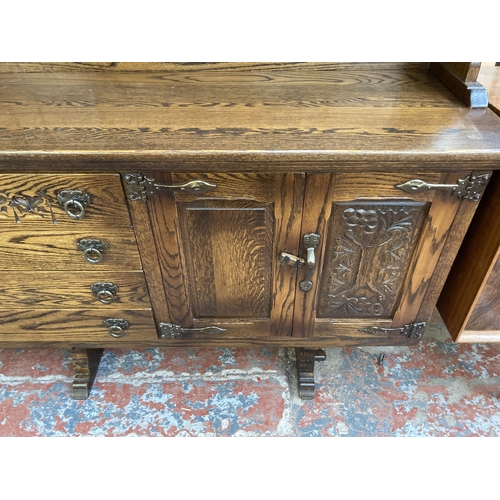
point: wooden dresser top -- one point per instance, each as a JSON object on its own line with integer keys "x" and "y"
{"x": 243, "y": 119}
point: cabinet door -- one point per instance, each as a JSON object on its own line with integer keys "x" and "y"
{"x": 218, "y": 252}
{"x": 378, "y": 250}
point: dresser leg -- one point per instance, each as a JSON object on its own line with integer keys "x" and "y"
{"x": 85, "y": 363}
{"x": 305, "y": 370}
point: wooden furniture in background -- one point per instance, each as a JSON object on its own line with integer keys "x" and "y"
{"x": 288, "y": 205}
{"x": 470, "y": 301}
{"x": 461, "y": 79}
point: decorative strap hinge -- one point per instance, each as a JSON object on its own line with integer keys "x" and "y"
{"x": 411, "y": 330}
{"x": 470, "y": 188}
{"x": 172, "y": 331}
{"x": 140, "y": 187}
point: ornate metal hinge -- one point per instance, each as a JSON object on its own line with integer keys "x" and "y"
{"x": 411, "y": 330}
{"x": 171, "y": 330}
{"x": 140, "y": 187}
{"x": 470, "y": 188}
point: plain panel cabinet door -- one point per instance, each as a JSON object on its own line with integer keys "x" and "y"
{"x": 378, "y": 250}
{"x": 218, "y": 253}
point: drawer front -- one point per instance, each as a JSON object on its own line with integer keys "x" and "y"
{"x": 74, "y": 326}
{"x": 43, "y": 201}
{"x": 57, "y": 249}
{"x": 100, "y": 290}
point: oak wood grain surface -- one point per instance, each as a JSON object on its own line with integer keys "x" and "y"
{"x": 18, "y": 325}
{"x": 155, "y": 119}
{"x": 31, "y": 201}
{"x": 288, "y": 216}
{"x": 342, "y": 339}
{"x": 70, "y": 290}
{"x": 23, "y": 248}
{"x": 58, "y": 67}
{"x": 228, "y": 254}
{"x": 149, "y": 258}
{"x": 318, "y": 196}
{"x": 435, "y": 233}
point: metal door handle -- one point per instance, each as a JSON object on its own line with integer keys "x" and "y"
{"x": 311, "y": 241}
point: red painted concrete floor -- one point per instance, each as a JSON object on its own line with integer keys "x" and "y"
{"x": 436, "y": 389}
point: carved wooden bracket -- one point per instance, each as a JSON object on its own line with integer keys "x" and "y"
{"x": 306, "y": 359}
{"x": 85, "y": 364}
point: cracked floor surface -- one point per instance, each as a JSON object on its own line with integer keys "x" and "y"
{"x": 438, "y": 388}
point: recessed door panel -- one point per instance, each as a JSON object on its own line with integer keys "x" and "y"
{"x": 228, "y": 256}
{"x": 367, "y": 252}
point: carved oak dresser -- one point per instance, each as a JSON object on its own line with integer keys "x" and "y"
{"x": 287, "y": 205}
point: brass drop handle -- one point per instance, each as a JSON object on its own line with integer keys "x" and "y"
{"x": 105, "y": 292}
{"x": 116, "y": 327}
{"x": 92, "y": 249}
{"x": 73, "y": 202}
{"x": 311, "y": 241}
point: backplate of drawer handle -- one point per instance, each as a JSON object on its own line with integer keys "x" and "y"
{"x": 92, "y": 249}
{"x": 105, "y": 291}
{"x": 116, "y": 326}
{"x": 73, "y": 202}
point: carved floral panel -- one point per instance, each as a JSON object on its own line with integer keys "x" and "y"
{"x": 368, "y": 251}
{"x": 21, "y": 206}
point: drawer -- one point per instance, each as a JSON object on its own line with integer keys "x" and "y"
{"x": 42, "y": 201}
{"x": 22, "y": 249}
{"x": 74, "y": 326}
{"x": 73, "y": 290}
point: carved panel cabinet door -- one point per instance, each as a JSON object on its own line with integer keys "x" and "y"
{"x": 218, "y": 253}
{"x": 377, "y": 252}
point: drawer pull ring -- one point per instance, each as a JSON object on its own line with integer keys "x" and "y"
{"x": 311, "y": 241}
{"x": 73, "y": 202}
{"x": 92, "y": 249}
{"x": 116, "y": 327}
{"x": 105, "y": 292}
